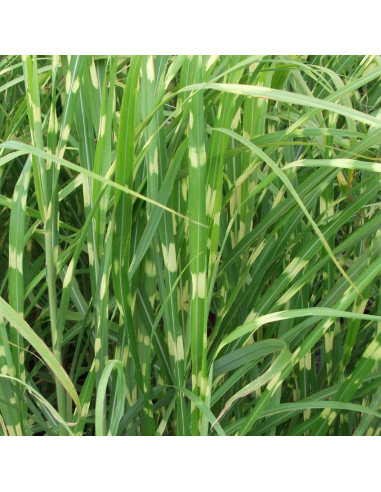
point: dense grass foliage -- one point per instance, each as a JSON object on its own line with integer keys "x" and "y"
{"x": 190, "y": 245}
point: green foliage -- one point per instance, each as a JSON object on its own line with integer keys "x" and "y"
{"x": 190, "y": 245}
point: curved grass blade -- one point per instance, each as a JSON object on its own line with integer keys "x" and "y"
{"x": 26, "y": 332}
{"x": 100, "y": 405}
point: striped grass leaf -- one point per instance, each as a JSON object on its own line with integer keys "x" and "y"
{"x": 233, "y": 308}
{"x": 123, "y": 216}
{"x": 26, "y": 331}
{"x": 100, "y": 403}
{"x": 198, "y": 242}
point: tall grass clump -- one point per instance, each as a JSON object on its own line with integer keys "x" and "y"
{"x": 190, "y": 245}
